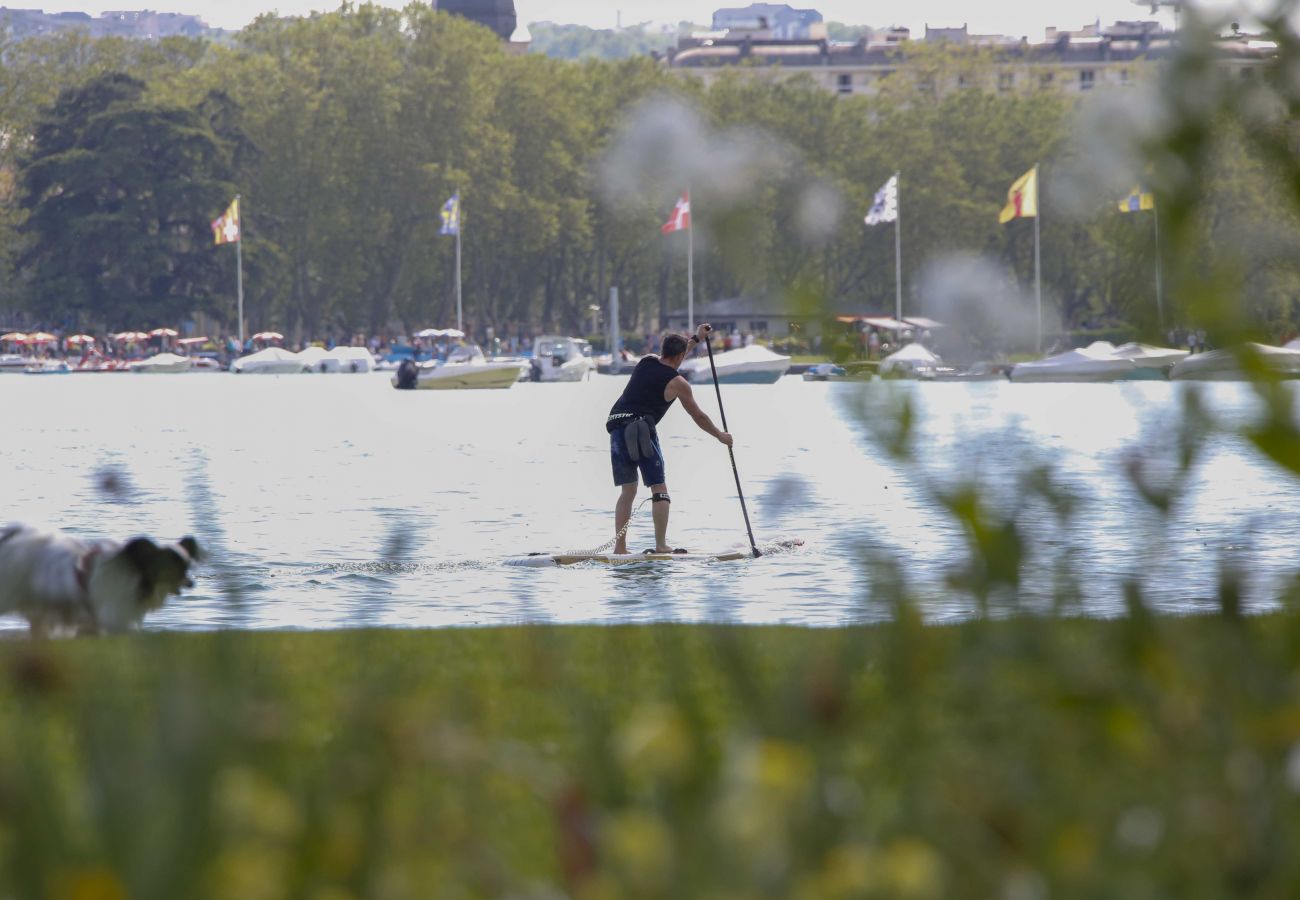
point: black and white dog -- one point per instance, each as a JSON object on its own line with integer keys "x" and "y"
{"x": 66, "y": 585}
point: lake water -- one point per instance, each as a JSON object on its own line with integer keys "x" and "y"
{"x": 336, "y": 501}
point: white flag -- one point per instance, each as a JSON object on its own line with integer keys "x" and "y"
{"x": 885, "y": 207}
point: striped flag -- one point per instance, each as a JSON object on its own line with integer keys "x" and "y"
{"x": 451, "y": 215}
{"x": 225, "y": 229}
{"x": 1022, "y": 199}
{"x": 1138, "y": 200}
{"x": 680, "y": 220}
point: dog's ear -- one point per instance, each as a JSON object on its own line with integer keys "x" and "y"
{"x": 141, "y": 552}
{"x": 191, "y": 547}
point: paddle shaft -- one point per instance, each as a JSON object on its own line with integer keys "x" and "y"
{"x": 708, "y": 345}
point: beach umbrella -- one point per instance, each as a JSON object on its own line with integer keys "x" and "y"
{"x": 164, "y": 332}
{"x": 40, "y": 337}
{"x": 268, "y": 336}
{"x": 131, "y": 336}
{"x": 191, "y": 341}
{"x": 16, "y": 336}
{"x": 78, "y": 339}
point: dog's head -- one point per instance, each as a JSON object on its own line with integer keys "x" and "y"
{"x": 126, "y": 584}
{"x": 163, "y": 570}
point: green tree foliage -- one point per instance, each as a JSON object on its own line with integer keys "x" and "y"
{"x": 116, "y": 190}
{"x": 346, "y": 131}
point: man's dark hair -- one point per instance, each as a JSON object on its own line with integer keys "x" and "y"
{"x": 673, "y": 345}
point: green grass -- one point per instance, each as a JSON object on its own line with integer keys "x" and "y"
{"x": 1141, "y": 757}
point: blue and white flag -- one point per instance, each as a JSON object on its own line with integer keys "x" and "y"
{"x": 451, "y": 215}
{"x": 885, "y": 207}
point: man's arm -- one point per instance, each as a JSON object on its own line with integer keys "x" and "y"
{"x": 679, "y": 388}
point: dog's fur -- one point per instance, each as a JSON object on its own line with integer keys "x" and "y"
{"x": 66, "y": 585}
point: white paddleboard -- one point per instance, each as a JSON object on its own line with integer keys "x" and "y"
{"x": 619, "y": 559}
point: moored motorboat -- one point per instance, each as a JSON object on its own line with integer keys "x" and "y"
{"x": 557, "y": 358}
{"x": 1096, "y": 362}
{"x": 12, "y": 362}
{"x": 916, "y": 362}
{"x": 1150, "y": 363}
{"x": 1226, "y": 365}
{"x": 162, "y": 364}
{"x": 271, "y": 361}
{"x": 348, "y": 360}
{"x": 748, "y": 365}
{"x": 466, "y": 367}
{"x": 47, "y": 367}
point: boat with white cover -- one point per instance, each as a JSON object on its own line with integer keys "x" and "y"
{"x": 12, "y": 362}
{"x": 271, "y": 361}
{"x": 1225, "y": 365}
{"x": 1096, "y": 362}
{"x": 914, "y": 361}
{"x": 347, "y": 360}
{"x": 162, "y": 364}
{"x": 466, "y": 367}
{"x": 748, "y": 365}
{"x": 1145, "y": 356}
{"x": 557, "y": 358}
{"x": 47, "y": 367}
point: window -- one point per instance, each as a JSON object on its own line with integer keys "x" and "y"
{"x": 1005, "y": 81}
{"x": 758, "y": 326}
{"x": 845, "y": 83}
{"x": 1087, "y": 77}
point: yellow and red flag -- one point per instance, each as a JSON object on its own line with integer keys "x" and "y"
{"x": 225, "y": 230}
{"x": 1022, "y": 199}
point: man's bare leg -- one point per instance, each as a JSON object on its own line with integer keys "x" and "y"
{"x": 660, "y": 510}
{"x": 623, "y": 512}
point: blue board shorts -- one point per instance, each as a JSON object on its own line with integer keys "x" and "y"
{"x": 652, "y": 467}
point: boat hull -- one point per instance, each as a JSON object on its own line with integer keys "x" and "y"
{"x": 452, "y": 378}
{"x": 771, "y": 376}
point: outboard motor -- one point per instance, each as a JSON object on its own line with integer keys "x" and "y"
{"x": 407, "y": 372}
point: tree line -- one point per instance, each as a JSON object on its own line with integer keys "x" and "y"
{"x": 345, "y": 132}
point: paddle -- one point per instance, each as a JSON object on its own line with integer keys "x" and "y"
{"x": 708, "y": 345}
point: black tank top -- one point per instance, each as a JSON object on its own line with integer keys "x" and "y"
{"x": 644, "y": 394}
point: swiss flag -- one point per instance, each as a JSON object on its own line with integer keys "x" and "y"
{"x": 680, "y": 220}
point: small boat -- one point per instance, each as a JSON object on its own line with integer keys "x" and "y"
{"x": 1225, "y": 365}
{"x": 348, "y": 360}
{"x": 1096, "y": 362}
{"x": 825, "y": 372}
{"x": 162, "y": 364}
{"x": 914, "y": 362}
{"x": 271, "y": 361}
{"x": 981, "y": 371}
{"x": 47, "y": 367}
{"x": 748, "y": 365}
{"x": 558, "y": 358}
{"x": 466, "y": 367}
{"x": 12, "y": 362}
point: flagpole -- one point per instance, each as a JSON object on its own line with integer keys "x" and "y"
{"x": 690, "y": 266}
{"x": 239, "y": 270}
{"x": 460, "y": 323}
{"x": 898, "y": 246}
{"x": 1038, "y": 257}
{"x": 1160, "y": 301}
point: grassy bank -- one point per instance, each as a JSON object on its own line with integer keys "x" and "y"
{"x": 1020, "y": 759}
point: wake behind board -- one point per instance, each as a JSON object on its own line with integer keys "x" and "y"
{"x": 617, "y": 559}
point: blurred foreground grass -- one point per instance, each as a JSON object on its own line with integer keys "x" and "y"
{"x": 1022, "y": 758}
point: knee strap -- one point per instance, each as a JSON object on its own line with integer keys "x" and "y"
{"x": 661, "y": 498}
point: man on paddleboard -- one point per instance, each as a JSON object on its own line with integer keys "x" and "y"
{"x": 634, "y": 440}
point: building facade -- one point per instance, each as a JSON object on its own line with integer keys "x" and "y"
{"x": 1071, "y": 61}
